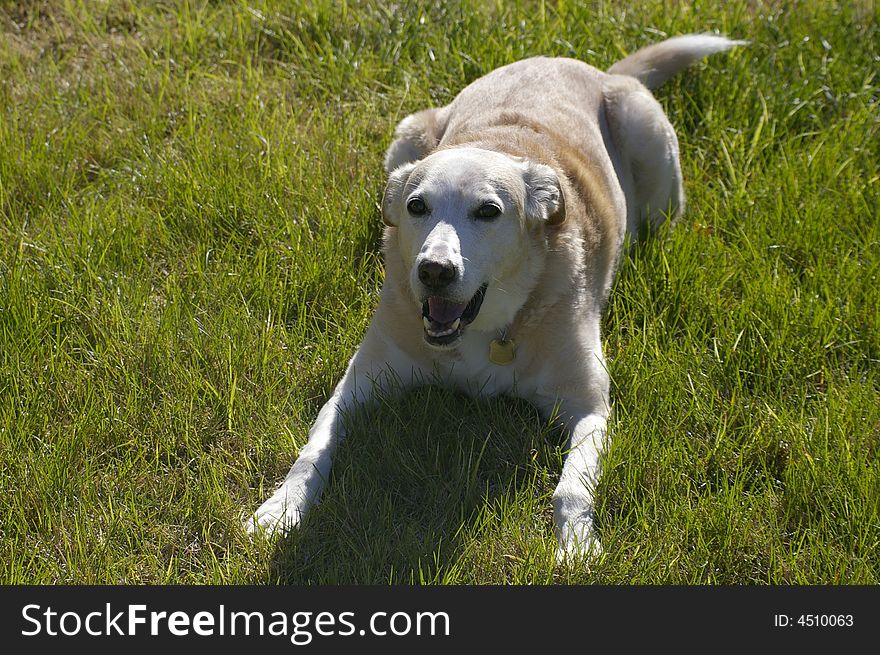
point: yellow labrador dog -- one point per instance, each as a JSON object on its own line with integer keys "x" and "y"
{"x": 506, "y": 211}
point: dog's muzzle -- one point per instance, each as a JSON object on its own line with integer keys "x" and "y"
{"x": 445, "y": 319}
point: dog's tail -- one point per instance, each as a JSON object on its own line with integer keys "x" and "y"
{"x": 656, "y": 63}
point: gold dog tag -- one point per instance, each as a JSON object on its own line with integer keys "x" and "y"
{"x": 502, "y": 352}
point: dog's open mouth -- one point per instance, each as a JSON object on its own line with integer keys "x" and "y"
{"x": 444, "y": 319}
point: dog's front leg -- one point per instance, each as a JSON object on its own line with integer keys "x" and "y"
{"x": 573, "y": 508}
{"x": 305, "y": 481}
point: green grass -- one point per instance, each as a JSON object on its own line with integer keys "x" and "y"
{"x": 189, "y": 254}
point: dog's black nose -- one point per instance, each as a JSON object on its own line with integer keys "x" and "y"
{"x": 436, "y": 275}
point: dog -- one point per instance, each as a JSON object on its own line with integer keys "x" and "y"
{"x": 505, "y": 215}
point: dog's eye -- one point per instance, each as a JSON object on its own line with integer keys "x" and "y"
{"x": 416, "y": 206}
{"x": 489, "y": 210}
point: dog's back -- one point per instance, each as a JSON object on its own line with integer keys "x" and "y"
{"x": 557, "y": 90}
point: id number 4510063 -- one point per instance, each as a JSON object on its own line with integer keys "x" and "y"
{"x": 813, "y": 621}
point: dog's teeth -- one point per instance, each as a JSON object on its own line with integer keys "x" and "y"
{"x": 440, "y": 333}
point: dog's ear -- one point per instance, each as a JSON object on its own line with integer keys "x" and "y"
{"x": 545, "y": 201}
{"x": 394, "y": 192}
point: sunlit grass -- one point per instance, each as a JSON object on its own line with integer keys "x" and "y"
{"x": 189, "y": 254}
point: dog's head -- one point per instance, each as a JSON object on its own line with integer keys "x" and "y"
{"x": 470, "y": 224}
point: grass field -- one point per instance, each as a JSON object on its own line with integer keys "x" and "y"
{"x": 189, "y": 254}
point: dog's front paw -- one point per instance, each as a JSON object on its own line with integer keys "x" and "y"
{"x": 578, "y": 542}
{"x": 277, "y": 516}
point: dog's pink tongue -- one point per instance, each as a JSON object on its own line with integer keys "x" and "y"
{"x": 444, "y": 311}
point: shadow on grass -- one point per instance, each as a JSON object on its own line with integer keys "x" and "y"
{"x": 409, "y": 485}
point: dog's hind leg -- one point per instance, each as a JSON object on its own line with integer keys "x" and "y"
{"x": 647, "y": 159}
{"x": 415, "y": 137}
{"x": 647, "y": 149}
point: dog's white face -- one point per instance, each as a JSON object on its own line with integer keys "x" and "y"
{"x": 469, "y": 227}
